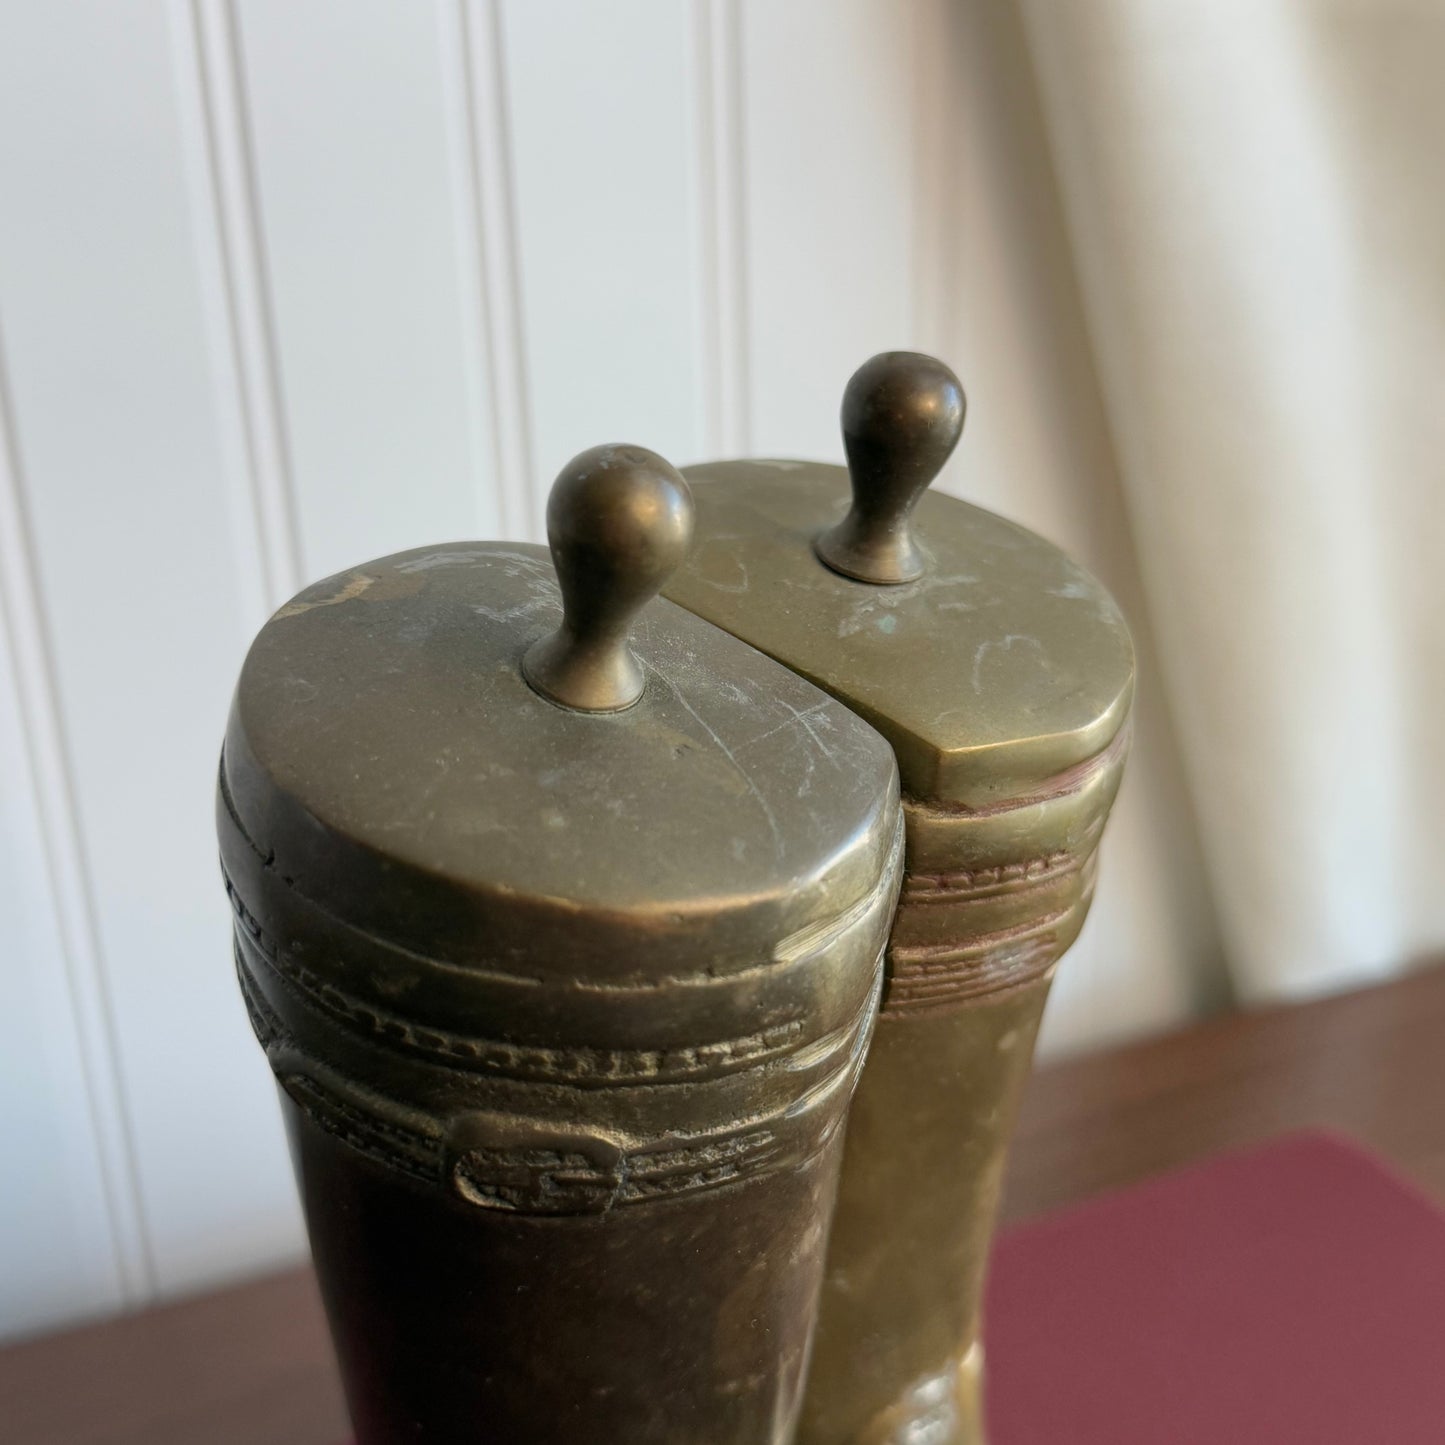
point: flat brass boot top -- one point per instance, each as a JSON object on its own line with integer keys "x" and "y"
{"x": 992, "y": 664}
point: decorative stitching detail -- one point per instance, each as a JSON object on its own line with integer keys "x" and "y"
{"x": 526, "y": 1179}
{"x": 265, "y": 1023}
{"x": 988, "y": 882}
{"x": 382, "y": 1141}
{"x": 578, "y": 1064}
{"x": 532, "y": 1179}
{"x": 379, "y": 1139}
{"x": 925, "y": 979}
{"x": 943, "y": 987}
{"x": 547, "y": 1181}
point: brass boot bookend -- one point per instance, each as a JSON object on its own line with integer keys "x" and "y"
{"x": 562, "y": 928}
{"x": 1002, "y": 674}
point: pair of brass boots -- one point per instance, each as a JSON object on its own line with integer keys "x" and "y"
{"x": 570, "y": 920}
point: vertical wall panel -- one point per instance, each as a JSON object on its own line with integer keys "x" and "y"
{"x": 482, "y": 177}
{"x": 59, "y": 1251}
{"x": 719, "y": 184}
{"x": 603, "y": 110}
{"x": 235, "y": 294}
{"x": 384, "y": 398}
{"x": 120, "y": 458}
{"x": 829, "y": 121}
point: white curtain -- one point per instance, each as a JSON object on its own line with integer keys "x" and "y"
{"x": 1255, "y": 204}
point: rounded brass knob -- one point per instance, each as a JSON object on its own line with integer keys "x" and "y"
{"x": 902, "y": 417}
{"x": 619, "y": 523}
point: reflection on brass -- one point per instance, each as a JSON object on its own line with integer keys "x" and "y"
{"x": 1002, "y": 674}
{"x": 565, "y": 1006}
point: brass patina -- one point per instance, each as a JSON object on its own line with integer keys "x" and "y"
{"x": 1002, "y": 675}
{"x": 566, "y": 987}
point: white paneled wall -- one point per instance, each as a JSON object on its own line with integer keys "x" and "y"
{"x": 285, "y": 285}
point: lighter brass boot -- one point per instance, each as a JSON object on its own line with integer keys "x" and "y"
{"x": 1002, "y": 674}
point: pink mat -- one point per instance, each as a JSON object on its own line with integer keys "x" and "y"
{"x": 1294, "y": 1293}
{"x": 1291, "y": 1295}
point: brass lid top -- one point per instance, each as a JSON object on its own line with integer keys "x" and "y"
{"x": 989, "y": 659}
{"x": 427, "y": 750}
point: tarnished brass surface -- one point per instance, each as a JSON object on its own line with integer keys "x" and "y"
{"x": 1003, "y": 678}
{"x": 566, "y": 1007}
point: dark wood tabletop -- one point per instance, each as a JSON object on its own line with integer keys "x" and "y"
{"x": 251, "y": 1365}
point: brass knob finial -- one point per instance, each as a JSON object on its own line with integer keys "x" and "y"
{"x": 619, "y": 523}
{"x": 902, "y": 417}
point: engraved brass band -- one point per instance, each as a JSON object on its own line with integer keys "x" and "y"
{"x": 480, "y": 1116}
{"x": 993, "y": 897}
{"x": 579, "y": 1066}
{"x": 511, "y": 1163}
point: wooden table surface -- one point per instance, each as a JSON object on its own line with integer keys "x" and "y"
{"x": 251, "y": 1365}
